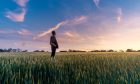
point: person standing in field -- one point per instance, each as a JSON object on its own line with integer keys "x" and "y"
{"x": 53, "y": 43}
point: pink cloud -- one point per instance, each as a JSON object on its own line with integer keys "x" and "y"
{"x": 24, "y": 32}
{"x": 72, "y": 35}
{"x": 16, "y": 16}
{"x": 78, "y": 20}
{"x": 75, "y": 21}
{"x": 69, "y": 34}
{"x": 50, "y": 30}
{"x": 19, "y": 14}
{"x": 22, "y": 3}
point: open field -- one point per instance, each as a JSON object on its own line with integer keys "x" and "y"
{"x": 70, "y": 68}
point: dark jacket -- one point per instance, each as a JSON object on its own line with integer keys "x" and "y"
{"x": 53, "y": 42}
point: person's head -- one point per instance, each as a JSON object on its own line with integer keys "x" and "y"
{"x": 53, "y": 33}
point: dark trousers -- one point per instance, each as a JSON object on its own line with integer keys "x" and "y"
{"x": 53, "y": 51}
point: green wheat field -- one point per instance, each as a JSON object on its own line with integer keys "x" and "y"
{"x": 70, "y": 68}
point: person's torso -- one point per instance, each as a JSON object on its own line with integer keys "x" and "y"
{"x": 53, "y": 39}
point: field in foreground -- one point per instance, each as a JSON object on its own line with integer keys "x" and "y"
{"x": 70, "y": 68}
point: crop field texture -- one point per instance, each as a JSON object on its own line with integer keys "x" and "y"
{"x": 70, "y": 68}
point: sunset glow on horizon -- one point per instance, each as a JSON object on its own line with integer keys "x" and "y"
{"x": 79, "y": 24}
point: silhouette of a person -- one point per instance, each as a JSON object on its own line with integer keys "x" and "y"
{"x": 53, "y": 43}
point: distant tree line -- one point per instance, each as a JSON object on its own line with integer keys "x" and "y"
{"x": 70, "y": 50}
{"x": 111, "y": 50}
{"x": 11, "y": 50}
{"x": 128, "y": 50}
{"x": 103, "y": 51}
{"x": 39, "y": 51}
{"x": 131, "y": 50}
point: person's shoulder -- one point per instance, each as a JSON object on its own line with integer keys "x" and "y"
{"x": 52, "y": 36}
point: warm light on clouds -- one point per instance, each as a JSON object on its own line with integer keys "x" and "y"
{"x": 24, "y": 32}
{"x": 50, "y": 30}
{"x": 74, "y": 21}
{"x": 69, "y": 34}
{"x": 72, "y": 36}
{"x": 77, "y": 20}
{"x": 19, "y": 14}
{"x": 16, "y": 16}
{"x": 22, "y": 3}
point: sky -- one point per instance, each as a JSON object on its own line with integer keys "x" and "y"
{"x": 79, "y": 24}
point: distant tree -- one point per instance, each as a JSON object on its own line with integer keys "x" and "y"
{"x": 129, "y": 50}
{"x": 14, "y": 50}
{"x": 70, "y": 50}
{"x": 36, "y": 51}
{"x": 103, "y": 50}
{"x": 110, "y": 51}
{"x": 39, "y": 51}
{"x": 1, "y": 50}
{"x": 9, "y": 50}
{"x": 5, "y": 50}
{"x": 63, "y": 51}
{"x": 75, "y": 50}
{"x": 95, "y": 51}
{"x": 25, "y": 51}
{"x": 42, "y": 51}
{"x": 18, "y": 50}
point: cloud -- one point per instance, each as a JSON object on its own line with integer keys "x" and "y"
{"x": 69, "y": 34}
{"x": 21, "y": 3}
{"x": 75, "y": 21}
{"x": 24, "y": 32}
{"x": 19, "y": 14}
{"x": 96, "y": 2}
{"x": 73, "y": 36}
{"x": 51, "y": 29}
{"x": 119, "y": 15}
{"x": 16, "y": 16}
{"x": 78, "y": 20}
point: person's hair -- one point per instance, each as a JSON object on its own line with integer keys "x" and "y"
{"x": 53, "y": 33}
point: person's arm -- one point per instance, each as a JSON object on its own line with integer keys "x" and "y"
{"x": 53, "y": 44}
{"x": 57, "y": 46}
